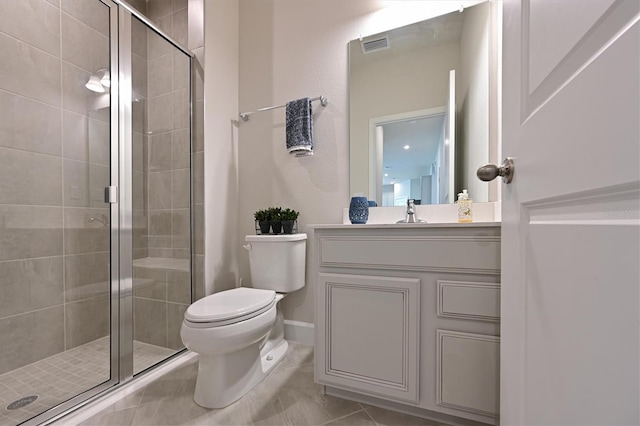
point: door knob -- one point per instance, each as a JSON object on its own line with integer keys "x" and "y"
{"x": 491, "y": 171}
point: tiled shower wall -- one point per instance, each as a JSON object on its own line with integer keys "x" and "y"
{"x": 54, "y": 164}
{"x": 161, "y": 291}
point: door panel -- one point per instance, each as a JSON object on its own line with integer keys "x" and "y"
{"x": 571, "y": 217}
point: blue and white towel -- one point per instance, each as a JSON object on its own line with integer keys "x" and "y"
{"x": 300, "y": 127}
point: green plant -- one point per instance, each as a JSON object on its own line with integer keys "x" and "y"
{"x": 262, "y": 215}
{"x": 289, "y": 214}
{"x": 275, "y": 214}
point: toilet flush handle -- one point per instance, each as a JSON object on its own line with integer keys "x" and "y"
{"x": 247, "y": 246}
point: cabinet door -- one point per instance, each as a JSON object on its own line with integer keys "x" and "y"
{"x": 468, "y": 367}
{"x": 368, "y": 334}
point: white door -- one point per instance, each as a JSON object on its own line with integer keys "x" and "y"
{"x": 571, "y": 240}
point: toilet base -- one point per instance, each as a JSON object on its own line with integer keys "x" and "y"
{"x": 224, "y": 379}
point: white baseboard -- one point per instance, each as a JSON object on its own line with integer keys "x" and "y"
{"x": 298, "y": 331}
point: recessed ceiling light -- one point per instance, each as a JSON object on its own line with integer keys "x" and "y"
{"x": 406, "y": 147}
{"x": 386, "y": 174}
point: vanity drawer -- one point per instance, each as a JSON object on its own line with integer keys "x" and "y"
{"x": 469, "y": 300}
{"x": 472, "y": 254}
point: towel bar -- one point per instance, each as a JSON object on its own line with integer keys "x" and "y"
{"x": 245, "y": 115}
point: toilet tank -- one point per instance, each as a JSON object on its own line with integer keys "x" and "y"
{"x": 277, "y": 262}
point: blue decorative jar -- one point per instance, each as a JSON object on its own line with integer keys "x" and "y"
{"x": 358, "y": 210}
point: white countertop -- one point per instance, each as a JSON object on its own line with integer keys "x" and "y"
{"x": 403, "y": 225}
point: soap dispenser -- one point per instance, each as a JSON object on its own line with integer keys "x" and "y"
{"x": 465, "y": 212}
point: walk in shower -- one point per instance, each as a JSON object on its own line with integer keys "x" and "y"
{"x": 95, "y": 201}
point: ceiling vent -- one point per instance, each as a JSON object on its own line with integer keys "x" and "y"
{"x": 375, "y": 44}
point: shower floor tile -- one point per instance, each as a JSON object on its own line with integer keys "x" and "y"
{"x": 65, "y": 375}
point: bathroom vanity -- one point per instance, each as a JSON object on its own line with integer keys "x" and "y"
{"x": 408, "y": 317}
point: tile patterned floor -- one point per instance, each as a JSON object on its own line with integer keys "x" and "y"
{"x": 288, "y": 396}
{"x": 62, "y": 376}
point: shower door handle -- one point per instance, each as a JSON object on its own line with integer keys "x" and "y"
{"x": 111, "y": 194}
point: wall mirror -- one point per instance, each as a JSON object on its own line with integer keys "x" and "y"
{"x": 422, "y": 98}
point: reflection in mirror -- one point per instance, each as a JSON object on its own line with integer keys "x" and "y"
{"x": 413, "y": 132}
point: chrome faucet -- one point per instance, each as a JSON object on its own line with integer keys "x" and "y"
{"x": 411, "y": 213}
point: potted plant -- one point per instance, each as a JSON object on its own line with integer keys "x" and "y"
{"x": 288, "y": 217}
{"x": 263, "y": 218}
{"x": 275, "y": 214}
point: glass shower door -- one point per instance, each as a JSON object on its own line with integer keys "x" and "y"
{"x": 161, "y": 195}
{"x": 56, "y": 247}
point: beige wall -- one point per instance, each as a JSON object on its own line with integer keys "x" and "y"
{"x": 220, "y": 155}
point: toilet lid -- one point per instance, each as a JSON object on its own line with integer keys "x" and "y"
{"x": 230, "y": 304}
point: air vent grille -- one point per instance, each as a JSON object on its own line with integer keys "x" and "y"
{"x": 374, "y": 45}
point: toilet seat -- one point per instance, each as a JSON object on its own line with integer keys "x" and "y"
{"x": 229, "y": 307}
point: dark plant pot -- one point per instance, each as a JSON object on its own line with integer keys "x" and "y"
{"x": 287, "y": 226}
{"x": 276, "y": 226}
{"x": 264, "y": 226}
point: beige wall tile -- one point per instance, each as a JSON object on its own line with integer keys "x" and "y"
{"x": 180, "y": 27}
{"x": 83, "y": 46}
{"x": 157, "y": 45}
{"x": 30, "y": 284}
{"x": 196, "y": 23}
{"x": 23, "y": 73}
{"x": 99, "y": 177}
{"x": 175, "y": 316}
{"x": 181, "y": 71}
{"x": 198, "y": 181}
{"x": 139, "y": 77}
{"x": 160, "y": 152}
{"x": 75, "y": 136}
{"x": 160, "y": 191}
{"x": 139, "y": 37}
{"x": 29, "y": 125}
{"x": 33, "y": 21}
{"x": 150, "y": 321}
{"x": 198, "y": 232}
{"x": 181, "y": 222}
{"x": 20, "y": 185}
{"x": 181, "y": 188}
{"x": 158, "y": 8}
{"x": 90, "y": 12}
{"x": 181, "y": 109}
{"x": 86, "y": 276}
{"x": 160, "y": 116}
{"x": 179, "y": 4}
{"x": 86, "y": 320}
{"x": 30, "y": 231}
{"x": 29, "y": 337}
{"x": 160, "y": 223}
{"x": 76, "y": 183}
{"x": 137, "y": 148}
{"x": 181, "y": 149}
{"x": 138, "y": 190}
{"x": 179, "y": 286}
{"x": 150, "y": 283}
{"x": 77, "y": 97}
{"x": 199, "y": 126}
{"x": 99, "y": 141}
{"x": 81, "y": 234}
{"x": 160, "y": 76}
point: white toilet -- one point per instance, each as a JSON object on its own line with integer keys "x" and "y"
{"x": 239, "y": 333}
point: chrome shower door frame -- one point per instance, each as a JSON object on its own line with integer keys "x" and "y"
{"x": 121, "y": 211}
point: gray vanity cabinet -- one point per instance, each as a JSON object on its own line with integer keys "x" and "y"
{"x": 407, "y": 317}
